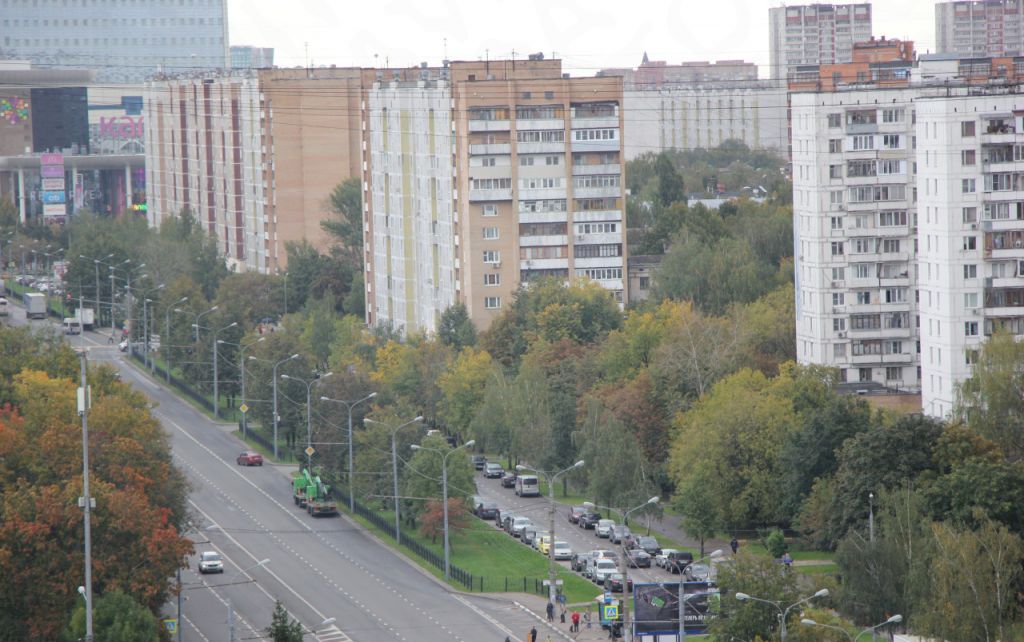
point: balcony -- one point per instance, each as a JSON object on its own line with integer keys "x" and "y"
{"x": 540, "y": 124}
{"x": 547, "y": 147}
{"x": 598, "y": 262}
{"x": 603, "y": 145}
{"x": 544, "y": 264}
{"x": 895, "y": 281}
{"x": 1001, "y": 225}
{"x": 491, "y": 148}
{"x": 594, "y": 239}
{"x": 1004, "y": 311}
{"x": 862, "y": 128}
{"x": 543, "y": 217}
{"x": 604, "y": 122}
{"x": 490, "y": 195}
{"x": 488, "y": 125}
{"x": 547, "y": 240}
{"x": 588, "y": 170}
{"x": 855, "y": 232}
{"x": 541, "y": 193}
{"x": 1005, "y": 282}
{"x": 597, "y": 192}
{"x": 591, "y": 216}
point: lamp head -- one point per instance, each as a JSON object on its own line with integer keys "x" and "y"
{"x": 578, "y": 464}
{"x": 415, "y": 447}
{"x": 329, "y": 621}
{"x": 417, "y": 419}
{"x": 81, "y": 591}
{"x": 321, "y": 398}
{"x": 324, "y": 376}
{"x": 214, "y": 308}
{"x": 371, "y": 395}
{"x": 716, "y": 553}
{"x": 294, "y": 356}
{"x": 520, "y": 467}
{"x": 470, "y": 442}
{"x": 251, "y": 358}
{"x": 654, "y": 500}
{"x": 742, "y": 597}
{"x": 808, "y": 622}
{"x": 233, "y": 324}
{"x": 896, "y": 619}
{"x": 264, "y": 561}
{"x": 822, "y": 593}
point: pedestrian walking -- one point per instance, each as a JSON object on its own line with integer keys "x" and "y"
{"x": 533, "y": 634}
{"x": 575, "y": 628}
{"x": 586, "y": 618}
{"x": 787, "y": 559}
{"x": 551, "y": 612}
{"x": 563, "y": 615}
{"x": 734, "y": 545}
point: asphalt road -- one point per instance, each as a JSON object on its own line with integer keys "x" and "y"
{"x": 319, "y": 568}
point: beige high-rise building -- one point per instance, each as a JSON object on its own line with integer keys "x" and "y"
{"x": 254, "y": 155}
{"x": 815, "y": 34}
{"x": 480, "y": 176}
{"x": 980, "y": 28}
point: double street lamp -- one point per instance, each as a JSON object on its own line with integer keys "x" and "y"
{"x": 394, "y": 466}
{"x": 685, "y": 597}
{"x": 627, "y": 629}
{"x": 145, "y": 321}
{"x": 551, "y": 476}
{"x": 444, "y": 495}
{"x": 309, "y": 414}
{"x": 350, "y": 405}
{"x": 276, "y": 416}
{"x": 231, "y": 611}
{"x": 166, "y": 343}
{"x": 783, "y": 612}
{"x": 241, "y": 366}
{"x": 896, "y": 619}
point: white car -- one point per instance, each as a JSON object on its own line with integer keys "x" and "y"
{"x": 562, "y": 551}
{"x": 659, "y": 559}
{"x": 519, "y": 525}
{"x": 210, "y": 562}
{"x": 604, "y": 528}
{"x": 604, "y": 567}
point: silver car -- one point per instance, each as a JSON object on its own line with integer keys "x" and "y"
{"x": 210, "y": 562}
{"x": 604, "y": 528}
{"x": 520, "y": 524}
{"x": 603, "y": 567}
{"x": 562, "y": 550}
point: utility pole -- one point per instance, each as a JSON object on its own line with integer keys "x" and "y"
{"x": 86, "y": 501}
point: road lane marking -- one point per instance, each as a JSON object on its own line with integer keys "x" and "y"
{"x": 486, "y": 616}
{"x": 193, "y": 625}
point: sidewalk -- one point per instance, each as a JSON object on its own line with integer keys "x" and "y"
{"x": 535, "y": 605}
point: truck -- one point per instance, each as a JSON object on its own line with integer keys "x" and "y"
{"x": 35, "y": 305}
{"x": 86, "y": 317}
{"x": 311, "y": 493}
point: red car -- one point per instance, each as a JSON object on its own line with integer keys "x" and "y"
{"x": 250, "y": 459}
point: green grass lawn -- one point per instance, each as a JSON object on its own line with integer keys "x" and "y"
{"x": 796, "y": 553}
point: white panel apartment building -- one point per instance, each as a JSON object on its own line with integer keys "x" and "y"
{"x": 690, "y": 116}
{"x": 855, "y": 222}
{"x": 815, "y": 34}
{"x": 980, "y": 27}
{"x": 970, "y": 152}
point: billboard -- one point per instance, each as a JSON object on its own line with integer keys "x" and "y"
{"x": 656, "y": 609}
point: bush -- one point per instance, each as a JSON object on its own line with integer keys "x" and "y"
{"x": 776, "y": 543}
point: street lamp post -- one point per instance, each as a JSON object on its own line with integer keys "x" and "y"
{"x": 444, "y": 498}
{"x": 625, "y": 571}
{"x": 309, "y": 414}
{"x": 201, "y": 315}
{"x": 96, "y": 267}
{"x": 145, "y": 322}
{"x": 231, "y": 611}
{"x": 286, "y": 359}
{"x": 394, "y": 468}
{"x": 112, "y": 269}
{"x": 896, "y": 619}
{"x": 167, "y": 334}
{"x": 241, "y": 366}
{"x": 684, "y": 598}
{"x": 350, "y": 405}
{"x": 783, "y": 612}
{"x": 552, "y": 566}
{"x": 216, "y": 389}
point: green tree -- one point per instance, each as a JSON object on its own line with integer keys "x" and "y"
{"x": 345, "y": 225}
{"x": 319, "y": 330}
{"x": 615, "y": 472}
{"x": 463, "y": 386}
{"x": 701, "y": 519}
{"x": 990, "y": 401}
{"x": 455, "y": 329}
{"x": 282, "y": 627}
{"x": 760, "y": 577}
{"x": 423, "y": 474}
{"x": 116, "y": 618}
{"x": 670, "y": 184}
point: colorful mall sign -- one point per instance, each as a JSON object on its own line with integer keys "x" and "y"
{"x": 121, "y": 127}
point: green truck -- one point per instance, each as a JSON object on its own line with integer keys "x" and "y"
{"x": 311, "y": 493}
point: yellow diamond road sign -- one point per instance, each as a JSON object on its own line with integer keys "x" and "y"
{"x": 310, "y": 451}
{"x": 244, "y": 408}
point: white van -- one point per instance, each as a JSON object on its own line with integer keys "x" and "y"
{"x": 72, "y": 326}
{"x": 527, "y": 486}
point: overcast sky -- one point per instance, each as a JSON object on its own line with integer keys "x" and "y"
{"x": 587, "y": 34}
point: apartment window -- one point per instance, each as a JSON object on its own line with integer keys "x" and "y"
{"x": 552, "y": 160}
{"x": 971, "y": 300}
{"x": 890, "y": 167}
{"x": 597, "y": 180}
{"x": 890, "y": 246}
{"x": 971, "y": 328}
{"x": 597, "y": 228}
{"x": 863, "y": 270}
{"x": 596, "y": 251}
{"x": 894, "y": 347}
{"x": 600, "y": 274}
{"x": 893, "y": 115}
{"x": 893, "y": 373}
{"x": 837, "y": 248}
{"x": 527, "y": 95}
{"x": 491, "y": 183}
{"x": 542, "y": 183}
{"x": 970, "y": 243}
{"x": 970, "y": 271}
{"x": 968, "y": 157}
{"x": 838, "y": 350}
{"x": 891, "y": 141}
{"x": 967, "y": 129}
{"x": 838, "y": 273}
{"x": 864, "y": 298}
{"x": 838, "y": 325}
{"x": 835, "y": 171}
{"x": 837, "y": 222}
{"x": 645, "y": 282}
{"x": 542, "y": 136}
{"x": 864, "y": 246}
{"x": 492, "y": 279}
{"x": 897, "y": 218}
{"x": 838, "y": 298}
{"x": 970, "y": 357}
{"x": 835, "y": 120}
{"x": 525, "y": 161}
{"x": 863, "y": 142}
{"x": 835, "y": 197}
{"x": 967, "y": 186}
{"x": 489, "y": 210}
{"x": 866, "y": 322}
{"x": 595, "y": 134}
{"x": 492, "y": 256}
{"x": 492, "y": 302}
{"x": 835, "y": 146}
{"x": 970, "y": 214}
{"x": 896, "y": 295}
{"x": 490, "y": 233}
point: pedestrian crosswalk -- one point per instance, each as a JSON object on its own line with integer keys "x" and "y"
{"x": 332, "y": 634}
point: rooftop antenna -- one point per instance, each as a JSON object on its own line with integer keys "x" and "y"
{"x": 445, "y": 48}
{"x": 487, "y": 60}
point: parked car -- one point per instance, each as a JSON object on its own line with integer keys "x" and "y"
{"x": 698, "y": 573}
{"x": 519, "y": 524}
{"x": 506, "y": 521}
{"x": 493, "y": 471}
{"x": 648, "y": 544}
{"x": 508, "y": 480}
{"x": 618, "y": 534}
{"x": 479, "y": 461}
{"x": 487, "y": 510}
{"x": 588, "y": 519}
{"x": 603, "y": 567}
{"x": 210, "y": 562}
{"x": 530, "y": 534}
{"x": 638, "y": 558}
{"x": 537, "y": 538}
{"x": 250, "y": 459}
{"x": 575, "y": 512}
{"x": 662, "y": 557}
{"x": 613, "y": 583}
{"x": 677, "y": 561}
{"x": 527, "y": 486}
{"x": 604, "y": 528}
{"x": 563, "y": 551}
{"x": 586, "y": 564}
{"x": 544, "y": 543}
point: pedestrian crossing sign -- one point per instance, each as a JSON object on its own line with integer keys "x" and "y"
{"x": 611, "y": 611}
{"x": 171, "y": 625}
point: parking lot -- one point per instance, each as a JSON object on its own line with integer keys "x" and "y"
{"x": 581, "y": 541}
